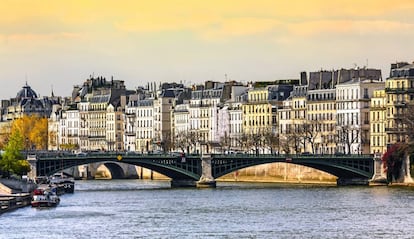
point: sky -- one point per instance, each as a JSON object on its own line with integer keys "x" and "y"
{"x": 58, "y": 44}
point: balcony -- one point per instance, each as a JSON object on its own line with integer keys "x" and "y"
{"x": 378, "y": 107}
{"x": 394, "y": 130}
{"x": 96, "y": 137}
{"x": 393, "y": 90}
{"x": 400, "y": 104}
{"x": 130, "y": 133}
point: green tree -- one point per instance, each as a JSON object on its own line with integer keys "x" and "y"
{"x": 21, "y": 167}
{"x": 11, "y": 161}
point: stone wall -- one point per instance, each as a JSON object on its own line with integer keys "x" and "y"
{"x": 276, "y": 172}
{"x": 273, "y": 172}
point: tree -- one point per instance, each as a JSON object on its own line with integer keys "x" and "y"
{"x": 69, "y": 146}
{"x": 34, "y": 129}
{"x": 347, "y": 135}
{"x": 309, "y": 131}
{"x": 5, "y": 131}
{"x": 290, "y": 142}
{"x": 243, "y": 141}
{"x": 167, "y": 142}
{"x": 396, "y": 160}
{"x": 271, "y": 140}
{"x": 12, "y": 160}
{"x": 225, "y": 141}
{"x": 392, "y": 161}
{"x": 255, "y": 140}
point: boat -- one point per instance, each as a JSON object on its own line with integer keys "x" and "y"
{"x": 61, "y": 180}
{"x": 45, "y": 198}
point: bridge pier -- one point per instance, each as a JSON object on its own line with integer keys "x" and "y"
{"x": 379, "y": 177}
{"x": 352, "y": 181}
{"x": 206, "y": 179}
{"x": 33, "y": 169}
{"x": 182, "y": 183}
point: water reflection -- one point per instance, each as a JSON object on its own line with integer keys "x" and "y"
{"x": 150, "y": 209}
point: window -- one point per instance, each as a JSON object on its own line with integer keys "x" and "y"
{"x": 366, "y": 93}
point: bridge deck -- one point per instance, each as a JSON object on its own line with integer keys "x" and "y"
{"x": 190, "y": 167}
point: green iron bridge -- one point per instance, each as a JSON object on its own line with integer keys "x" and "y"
{"x": 349, "y": 169}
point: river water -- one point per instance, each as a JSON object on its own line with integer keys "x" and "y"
{"x": 150, "y": 209}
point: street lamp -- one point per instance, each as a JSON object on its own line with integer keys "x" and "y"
{"x": 27, "y": 145}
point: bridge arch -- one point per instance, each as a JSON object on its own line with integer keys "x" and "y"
{"x": 345, "y": 167}
{"x": 170, "y": 166}
{"x": 116, "y": 171}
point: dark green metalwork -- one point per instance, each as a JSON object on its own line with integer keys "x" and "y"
{"x": 347, "y": 166}
{"x": 189, "y": 167}
{"x": 174, "y": 167}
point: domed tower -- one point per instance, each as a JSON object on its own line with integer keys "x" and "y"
{"x": 26, "y": 93}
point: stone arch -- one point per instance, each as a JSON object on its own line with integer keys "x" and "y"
{"x": 117, "y": 172}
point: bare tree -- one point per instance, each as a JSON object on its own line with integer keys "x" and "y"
{"x": 290, "y": 143}
{"x": 284, "y": 144}
{"x": 225, "y": 141}
{"x": 243, "y": 141}
{"x": 194, "y": 138}
{"x": 347, "y": 135}
{"x": 167, "y": 142}
{"x": 309, "y": 131}
{"x": 181, "y": 141}
{"x": 271, "y": 140}
{"x": 256, "y": 140}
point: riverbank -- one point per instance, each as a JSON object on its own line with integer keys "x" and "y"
{"x": 15, "y": 194}
{"x": 14, "y": 201}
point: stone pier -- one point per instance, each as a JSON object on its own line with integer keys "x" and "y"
{"x": 379, "y": 177}
{"x": 177, "y": 183}
{"x": 206, "y": 179}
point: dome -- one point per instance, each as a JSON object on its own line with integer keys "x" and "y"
{"x": 26, "y": 92}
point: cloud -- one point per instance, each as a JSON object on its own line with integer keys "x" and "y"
{"x": 42, "y": 37}
{"x": 208, "y": 20}
{"x": 361, "y": 27}
{"x": 236, "y": 27}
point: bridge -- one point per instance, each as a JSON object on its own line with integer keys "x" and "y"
{"x": 192, "y": 170}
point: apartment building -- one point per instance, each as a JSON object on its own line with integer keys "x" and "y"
{"x": 399, "y": 91}
{"x": 204, "y": 105}
{"x": 321, "y": 120}
{"x": 260, "y": 109}
{"x": 130, "y": 118}
{"x": 114, "y": 128}
{"x": 353, "y": 120}
{"x": 285, "y": 126}
{"x": 377, "y": 122}
{"x": 145, "y": 125}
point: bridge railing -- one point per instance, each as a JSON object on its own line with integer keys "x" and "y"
{"x": 68, "y": 154}
{"x": 324, "y": 156}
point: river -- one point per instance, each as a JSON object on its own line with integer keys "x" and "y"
{"x": 150, "y": 209}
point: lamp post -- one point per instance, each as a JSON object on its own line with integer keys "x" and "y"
{"x": 26, "y": 145}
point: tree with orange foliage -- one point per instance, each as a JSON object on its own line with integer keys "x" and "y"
{"x": 5, "y": 131}
{"x": 34, "y": 130}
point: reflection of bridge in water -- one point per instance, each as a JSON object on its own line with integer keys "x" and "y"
{"x": 189, "y": 169}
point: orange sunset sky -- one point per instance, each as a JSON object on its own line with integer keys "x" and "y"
{"x": 60, "y": 43}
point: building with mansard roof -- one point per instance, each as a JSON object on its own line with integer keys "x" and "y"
{"x": 399, "y": 93}
{"x": 353, "y": 99}
{"x": 27, "y": 102}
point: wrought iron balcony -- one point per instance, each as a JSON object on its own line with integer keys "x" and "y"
{"x": 400, "y": 104}
{"x": 401, "y": 90}
{"x": 394, "y": 130}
